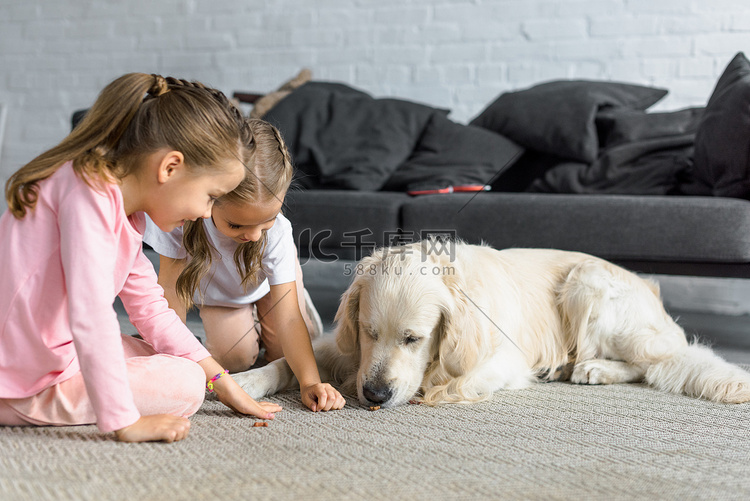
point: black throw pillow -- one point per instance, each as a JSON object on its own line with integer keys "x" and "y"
{"x": 617, "y": 126}
{"x": 450, "y": 154}
{"x": 558, "y": 117}
{"x": 343, "y": 138}
{"x": 722, "y": 143}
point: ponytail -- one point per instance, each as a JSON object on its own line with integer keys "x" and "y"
{"x": 100, "y": 129}
{"x": 133, "y": 116}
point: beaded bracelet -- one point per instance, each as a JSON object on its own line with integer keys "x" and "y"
{"x": 210, "y": 384}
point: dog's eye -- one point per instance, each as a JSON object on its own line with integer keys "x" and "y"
{"x": 410, "y": 339}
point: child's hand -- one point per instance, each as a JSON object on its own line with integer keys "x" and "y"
{"x": 162, "y": 427}
{"x": 234, "y": 397}
{"x": 322, "y": 397}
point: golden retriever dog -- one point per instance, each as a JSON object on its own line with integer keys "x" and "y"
{"x": 456, "y": 327}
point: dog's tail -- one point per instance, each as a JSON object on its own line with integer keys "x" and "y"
{"x": 698, "y": 372}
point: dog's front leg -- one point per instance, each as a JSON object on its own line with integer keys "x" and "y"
{"x": 267, "y": 380}
{"x": 278, "y": 376}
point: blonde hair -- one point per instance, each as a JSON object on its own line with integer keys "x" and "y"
{"x": 134, "y": 116}
{"x": 269, "y": 174}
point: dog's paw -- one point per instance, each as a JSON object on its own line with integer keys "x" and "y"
{"x": 590, "y": 372}
{"x": 733, "y": 392}
{"x": 253, "y": 382}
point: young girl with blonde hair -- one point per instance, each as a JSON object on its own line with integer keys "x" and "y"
{"x": 72, "y": 241}
{"x": 242, "y": 261}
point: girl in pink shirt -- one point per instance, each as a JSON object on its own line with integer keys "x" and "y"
{"x": 72, "y": 242}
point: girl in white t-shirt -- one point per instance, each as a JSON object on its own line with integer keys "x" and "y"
{"x": 242, "y": 261}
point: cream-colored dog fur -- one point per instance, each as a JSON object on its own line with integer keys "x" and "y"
{"x": 416, "y": 323}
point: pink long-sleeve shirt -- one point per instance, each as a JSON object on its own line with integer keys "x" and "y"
{"x": 61, "y": 267}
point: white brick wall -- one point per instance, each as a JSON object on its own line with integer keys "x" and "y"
{"x": 55, "y": 55}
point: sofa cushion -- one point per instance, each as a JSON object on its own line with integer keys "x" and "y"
{"x": 558, "y": 117}
{"x": 616, "y": 227}
{"x": 722, "y": 143}
{"x": 342, "y": 138}
{"x": 619, "y": 126}
{"x": 338, "y": 224}
{"x": 452, "y": 154}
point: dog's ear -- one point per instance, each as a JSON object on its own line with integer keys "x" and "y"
{"x": 347, "y": 315}
{"x": 459, "y": 337}
{"x": 347, "y": 320}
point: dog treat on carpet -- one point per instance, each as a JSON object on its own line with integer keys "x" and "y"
{"x": 374, "y": 407}
{"x": 259, "y": 424}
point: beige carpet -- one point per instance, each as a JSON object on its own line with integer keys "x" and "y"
{"x": 553, "y": 441}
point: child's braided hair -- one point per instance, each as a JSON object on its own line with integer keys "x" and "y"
{"x": 269, "y": 174}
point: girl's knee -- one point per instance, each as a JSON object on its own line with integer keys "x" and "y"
{"x": 232, "y": 336}
{"x": 164, "y": 384}
{"x": 187, "y": 387}
{"x": 240, "y": 361}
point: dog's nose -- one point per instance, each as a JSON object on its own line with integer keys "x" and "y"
{"x": 377, "y": 394}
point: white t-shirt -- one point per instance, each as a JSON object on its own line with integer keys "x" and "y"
{"x": 222, "y": 285}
